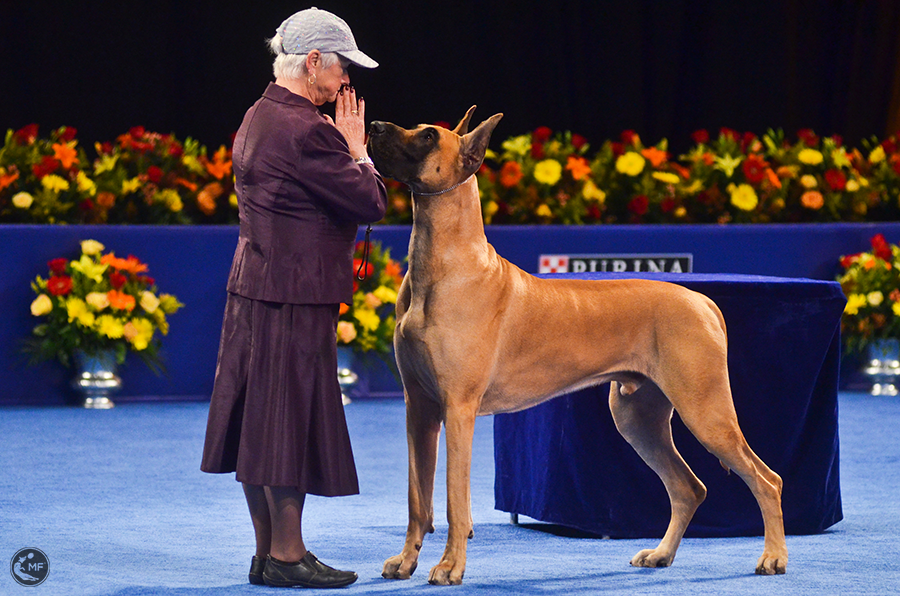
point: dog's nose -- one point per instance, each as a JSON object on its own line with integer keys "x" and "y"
{"x": 377, "y": 128}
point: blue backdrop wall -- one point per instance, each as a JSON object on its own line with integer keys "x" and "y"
{"x": 193, "y": 263}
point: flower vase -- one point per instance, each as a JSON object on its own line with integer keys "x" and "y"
{"x": 346, "y": 377}
{"x": 96, "y": 379}
{"x": 883, "y": 366}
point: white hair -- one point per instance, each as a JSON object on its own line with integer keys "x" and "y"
{"x": 293, "y": 66}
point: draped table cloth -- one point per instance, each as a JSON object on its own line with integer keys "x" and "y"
{"x": 564, "y": 462}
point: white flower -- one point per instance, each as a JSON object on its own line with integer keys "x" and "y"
{"x": 22, "y": 200}
{"x": 91, "y": 247}
{"x": 41, "y": 305}
{"x": 149, "y": 302}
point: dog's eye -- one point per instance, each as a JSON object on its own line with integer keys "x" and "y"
{"x": 429, "y": 136}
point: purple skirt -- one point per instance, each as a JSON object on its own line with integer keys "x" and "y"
{"x": 276, "y": 416}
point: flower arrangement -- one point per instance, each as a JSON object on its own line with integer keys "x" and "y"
{"x": 96, "y": 303}
{"x": 367, "y": 325}
{"x": 871, "y": 282}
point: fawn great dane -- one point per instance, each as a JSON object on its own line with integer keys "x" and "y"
{"x": 476, "y": 335}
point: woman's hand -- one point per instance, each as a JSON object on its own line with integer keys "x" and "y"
{"x": 350, "y": 119}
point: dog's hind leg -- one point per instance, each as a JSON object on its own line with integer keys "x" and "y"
{"x": 644, "y": 419}
{"x": 714, "y": 423}
{"x": 423, "y": 431}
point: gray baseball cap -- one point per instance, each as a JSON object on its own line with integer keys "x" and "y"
{"x": 314, "y": 29}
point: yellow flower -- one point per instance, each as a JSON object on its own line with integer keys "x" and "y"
{"x": 131, "y": 185}
{"x": 75, "y": 307}
{"x": 385, "y": 294}
{"x": 54, "y": 183}
{"x": 346, "y": 332}
{"x": 895, "y": 307}
{"x": 22, "y": 200}
{"x": 852, "y": 186}
{"x": 369, "y": 319}
{"x": 149, "y": 301}
{"x": 592, "y": 193}
{"x": 840, "y": 159}
{"x": 680, "y": 211}
{"x": 168, "y": 303}
{"x": 810, "y": 157}
{"x": 139, "y": 332}
{"x": 85, "y": 184}
{"x": 171, "y": 199}
{"x": 193, "y": 164}
{"x": 97, "y": 300}
{"x": 808, "y": 181}
{"x": 543, "y": 211}
{"x": 854, "y": 303}
{"x": 89, "y": 268}
{"x": 727, "y": 163}
{"x": 630, "y": 164}
{"x": 490, "y": 208}
{"x": 875, "y": 298}
{"x": 106, "y": 163}
{"x": 877, "y": 155}
{"x": 42, "y": 305}
{"x": 667, "y": 177}
{"x": 232, "y": 200}
{"x": 548, "y": 171}
{"x": 91, "y": 247}
{"x": 109, "y": 326}
{"x": 520, "y": 145}
{"x": 744, "y": 197}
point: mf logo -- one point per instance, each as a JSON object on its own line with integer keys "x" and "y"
{"x": 649, "y": 263}
{"x": 29, "y": 567}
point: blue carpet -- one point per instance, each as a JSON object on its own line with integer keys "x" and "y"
{"x": 117, "y": 502}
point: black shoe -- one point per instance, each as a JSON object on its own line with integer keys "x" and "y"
{"x": 257, "y": 565}
{"x": 308, "y": 572}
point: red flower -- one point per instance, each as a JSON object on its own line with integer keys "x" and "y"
{"x": 754, "y": 169}
{"x": 835, "y": 179}
{"x": 889, "y": 146}
{"x": 176, "y": 150}
{"x": 537, "y": 150}
{"x": 146, "y": 279}
{"x": 58, "y": 266}
{"x": 369, "y": 269}
{"x": 117, "y": 280}
{"x": 26, "y": 135}
{"x": 443, "y": 124}
{"x": 154, "y": 174}
{"x": 808, "y": 137}
{"x": 578, "y": 141}
{"x": 700, "y": 136}
{"x": 86, "y": 205}
{"x": 541, "y": 134}
{"x": 881, "y": 248}
{"x": 68, "y": 133}
{"x": 106, "y": 148}
{"x": 594, "y": 212}
{"x": 617, "y": 149}
{"x": 729, "y": 133}
{"x": 59, "y": 285}
{"x": 639, "y": 205}
{"x": 746, "y": 140}
{"x": 667, "y": 205}
{"x": 48, "y": 165}
{"x": 137, "y": 132}
{"x": 628, "y": 137}
{"x": 838, "y": 140}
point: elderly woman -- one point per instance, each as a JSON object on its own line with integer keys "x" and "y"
{"x": 304, "y": 183}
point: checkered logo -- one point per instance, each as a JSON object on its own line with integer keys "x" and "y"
{"x": 554, "y": 264}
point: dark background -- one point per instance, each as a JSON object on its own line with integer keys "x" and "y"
{"x": 596, "y": 67}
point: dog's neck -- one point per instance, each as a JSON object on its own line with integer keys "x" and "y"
{"x": 447, "y": 233}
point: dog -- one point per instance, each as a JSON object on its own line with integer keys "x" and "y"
{"x": 476, "y": 335}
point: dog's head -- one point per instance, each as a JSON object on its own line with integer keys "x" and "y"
{"x": 430, "y": 158}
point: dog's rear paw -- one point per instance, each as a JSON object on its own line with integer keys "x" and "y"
{"x": 770, "y": 564}
{"x": 446, "y": 574}
{"x": 398, "y": 568}
{"x": 652, "y": 557}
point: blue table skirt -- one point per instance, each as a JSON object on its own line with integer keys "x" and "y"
{"x": 564, "y": 462}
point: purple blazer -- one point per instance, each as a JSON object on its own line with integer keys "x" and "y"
{"x": 301, "y": 198}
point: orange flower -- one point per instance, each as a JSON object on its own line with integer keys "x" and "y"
{"x": 578, "y": 166}
{"x": 394, "y": 269}
{"x": 773, "y": 178}
{"x": 708, "y": 158}
{"x": 220, "y": 166}
{"x": 510, "y": 174}
{"x": 655, "y": 156}
{"x": 681, "y": 170}
{"x": 7, "y": 179}
{"x": 131, "y": 264}
{"x": 344, "y": 308}
{"x": 121, "y": 300}
{"x": 206, "y": 198}
{"x": 65, "y": 153}
{"x": 812, "y": 199}
{"x": 186, "y": 183}
{"x": 106, "y": 199}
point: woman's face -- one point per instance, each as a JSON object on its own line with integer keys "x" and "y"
{"x": 329, "y": 82}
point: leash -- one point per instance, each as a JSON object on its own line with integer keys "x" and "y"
{"x": 363, "y": 266}
{"x": 440, "y": 192}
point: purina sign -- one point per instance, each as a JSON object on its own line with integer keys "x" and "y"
{"x": 649, "y": 263}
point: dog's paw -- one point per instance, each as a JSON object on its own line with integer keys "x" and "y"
{"x": 652, "y": 557}
{"x": 771, "y": 564}
{"x": 399, "y": 567}
{"x": 446, "y": 574}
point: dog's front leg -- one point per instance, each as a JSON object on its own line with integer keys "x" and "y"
{"x": 423, "y": 431}
{"x": 460, "y": 424}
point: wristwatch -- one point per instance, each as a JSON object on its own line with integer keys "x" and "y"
{"x": 367, "y": 160}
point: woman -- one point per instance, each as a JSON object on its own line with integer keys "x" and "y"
{"x": 304, "y": 182}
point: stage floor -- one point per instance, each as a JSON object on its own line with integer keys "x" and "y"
{"x": 117, "y": 502}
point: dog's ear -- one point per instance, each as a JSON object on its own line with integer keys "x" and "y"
{"x": 474, "y": 145}
{"x": 463, "y": 126}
